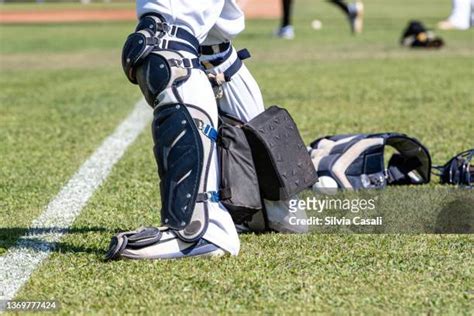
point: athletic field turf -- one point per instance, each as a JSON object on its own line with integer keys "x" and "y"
{"x": 63, "y": 92}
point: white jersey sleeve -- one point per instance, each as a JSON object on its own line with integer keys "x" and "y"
{"x": 230, "y": 23}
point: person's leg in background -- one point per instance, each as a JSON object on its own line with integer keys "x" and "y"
{"x": 354, "y": 12}
{"x": 461, "y": 17}
{"x": 286, "y": 30}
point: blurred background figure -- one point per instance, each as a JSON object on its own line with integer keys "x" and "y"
{"x": 286, "y": 30}
{"x": 461, "y": 18}
{"x": 353, "y": 11}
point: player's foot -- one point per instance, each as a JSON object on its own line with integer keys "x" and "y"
{"x": 356, "y": 17}
{"x": 286, "y": 32}
{"x": 158, "y": 243}
{"x": 446, "y": 25}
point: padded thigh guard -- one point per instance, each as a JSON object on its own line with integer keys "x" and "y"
{"x": 183, "y": 154}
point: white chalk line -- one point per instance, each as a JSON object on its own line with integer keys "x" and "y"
{"x": 19, "y": 262}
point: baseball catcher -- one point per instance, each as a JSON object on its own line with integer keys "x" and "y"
{"x": 165, "y": 58}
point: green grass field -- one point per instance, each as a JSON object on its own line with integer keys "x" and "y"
{"x": 63, "y": 91}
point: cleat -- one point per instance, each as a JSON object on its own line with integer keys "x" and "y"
{"x": 158, "y": 243}
{"x": 286, "y": 32}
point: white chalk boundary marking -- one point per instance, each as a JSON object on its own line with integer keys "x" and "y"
{"x": 19, "y": 262}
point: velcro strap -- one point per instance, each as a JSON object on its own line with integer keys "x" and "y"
{"x": 228, "y": 74}
{"x": 235, "y": 67}
{"x": 243, "y": 54}
{"x": 185, "y": 62}
{"x": 186, "y": 36}
{"x": 145, "y": 237}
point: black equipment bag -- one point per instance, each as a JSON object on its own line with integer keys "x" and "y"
{"x": 283, "y": 165}
{"x": 239, "y": 183}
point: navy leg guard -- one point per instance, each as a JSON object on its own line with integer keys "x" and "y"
{"x": 184, "y": 141}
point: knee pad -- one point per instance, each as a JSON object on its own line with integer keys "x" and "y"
{"x": 150, "y": 56}
{"x": 184, "y": 139}
{"x": 136, "y": 48}
{"x": 160, "y": 70}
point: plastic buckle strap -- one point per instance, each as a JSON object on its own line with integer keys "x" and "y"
{"x": 152, "y": 41}
{"x": 163, "y": 27}
{"x": 211, "y": 196}
{"x": 210, "y": 132}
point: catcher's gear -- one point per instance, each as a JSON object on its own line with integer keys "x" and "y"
{"x": 238, "y": 174}
{"x": 281, "y": 160}
{"x": 153, "y": 33}
{"x": 162, "y": 70}
{"x": 184, "y": 140}
{"x": 262, "y": 159}
{"x": 150, "y": 56}
{"x": 458, "y": 170}
{"x": 416, "y": 35}
{"x": 357, "y": 161}
{"x": 157, "y": 243}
